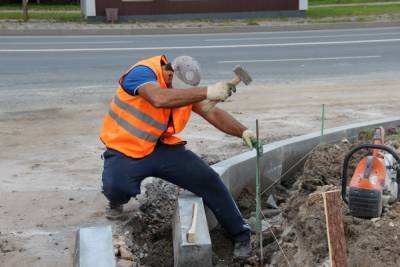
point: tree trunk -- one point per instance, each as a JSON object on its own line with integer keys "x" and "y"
{"x": 25, "y": 15}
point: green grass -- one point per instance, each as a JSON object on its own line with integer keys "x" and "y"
{"x": 366, "y": 135}
{"x": 252, "y": 22}
{"x": 52, "y": 16}
{"x": 361, "y": 10}
{"x": 394, "y": 136}
{"x": 51, "y": 12}
{"x": 332, "y": 2}
{"x": 40, "y": 7}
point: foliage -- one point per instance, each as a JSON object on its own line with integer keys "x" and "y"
{"x": 54, "y": 2}
{"x": 359, "y": 10}
{"x": 40, "y": 7}
{"x": 332, "y": 2}
{"x": 394, "y": 136}
{"x": 52, "y": 16}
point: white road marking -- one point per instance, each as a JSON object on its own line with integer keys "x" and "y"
{"x": 60, "y": 43}
{"x": 196, "y": 47}
{"x": 296, "y": 59}
{"x": 300, "y": 37}
{"x": 207, "y": 40}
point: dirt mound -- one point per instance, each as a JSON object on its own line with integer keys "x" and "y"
{"x": 150, "y": 228}
{"x": 297, "y": 236}
{"x": 299, "y": 231}
{"x": 370, "y": 242}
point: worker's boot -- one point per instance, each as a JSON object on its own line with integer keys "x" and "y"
{"x": 114, "y": 211}
{"x": 242, "y": 249}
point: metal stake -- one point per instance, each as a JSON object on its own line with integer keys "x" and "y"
{"x": 258, "y": 195}
{"x": 322, "y": 120}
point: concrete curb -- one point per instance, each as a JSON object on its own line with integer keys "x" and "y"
{"x": 194, "y": 30}
{"x": 280, "y": 157}
{"x": 198, "y": 253}
{"x": 283, "y": 158}
{"x": 94, "y": 247}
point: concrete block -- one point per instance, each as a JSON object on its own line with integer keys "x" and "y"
{"x": 199, "y": 253}
{"x": 93, "y": 247}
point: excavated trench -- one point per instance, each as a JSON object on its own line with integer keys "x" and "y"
{"x": 295, "y": 233}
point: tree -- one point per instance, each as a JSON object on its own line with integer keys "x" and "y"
{"x": 25, "y": 15}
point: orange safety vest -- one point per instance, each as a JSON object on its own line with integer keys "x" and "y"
{"x": 133, "y": 126}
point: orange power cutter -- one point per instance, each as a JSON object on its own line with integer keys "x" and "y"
{"x": 375, "y": 181}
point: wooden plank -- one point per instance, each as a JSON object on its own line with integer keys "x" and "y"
{"x": 334, "y": 228}
{"x": 191, "y": 234}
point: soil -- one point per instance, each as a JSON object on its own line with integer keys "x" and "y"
{"x": 150, "y": 227}
{"x": 51, "y": 167}
{"x": 300, "y": 229}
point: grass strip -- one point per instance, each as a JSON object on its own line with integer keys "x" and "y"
{"x": 39, "y": 7}
{"x": 340, "y": 2}
{"x": 361, "y": 10}
{"x": 56, "y": 16}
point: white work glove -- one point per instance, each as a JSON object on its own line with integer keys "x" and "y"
{"x": 249, "y": 138}
{"x": 220, "y": 91}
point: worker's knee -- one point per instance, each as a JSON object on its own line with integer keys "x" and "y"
{"x": 118, "y": 183}
{"x": 197, "y": 168}
{"x": 211, "y": 178}
{"x": 205, "y": 181}
{"x": 118, "y": 188}
{"x": 116, "y": 194}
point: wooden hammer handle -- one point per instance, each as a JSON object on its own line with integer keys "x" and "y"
{"x": 209, "y": 104}
{"x": 235, "y": 81}
{"x": 191, "y": 234}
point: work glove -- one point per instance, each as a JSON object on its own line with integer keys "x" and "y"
{"x": 249, "y": 138}
{"x": 220, "y": 91}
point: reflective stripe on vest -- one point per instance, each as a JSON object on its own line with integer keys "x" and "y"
{"x": 131, "y": 129}
{"x": 139, "y": 115}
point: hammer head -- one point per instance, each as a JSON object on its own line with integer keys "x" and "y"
{"x": 242, "y": 74}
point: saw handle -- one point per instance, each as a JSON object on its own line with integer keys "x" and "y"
{"x": 354, "y": 150}
{"x": 209, "y": 104}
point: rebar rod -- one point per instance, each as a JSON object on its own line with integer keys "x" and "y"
{"x": 258, "y": 195}
{"x": 322, "y": 120}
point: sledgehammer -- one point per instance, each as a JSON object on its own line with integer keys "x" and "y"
{"x": 241, "y": 75}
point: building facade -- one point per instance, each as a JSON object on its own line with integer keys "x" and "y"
{"x": 192, "y": 9}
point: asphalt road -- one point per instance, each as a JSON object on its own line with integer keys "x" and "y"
{"x": 62, "y": 62}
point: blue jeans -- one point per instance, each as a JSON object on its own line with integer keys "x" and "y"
{"x": 123, "y": 175}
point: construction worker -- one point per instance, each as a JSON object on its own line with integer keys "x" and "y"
{"x": 138, "y": 132}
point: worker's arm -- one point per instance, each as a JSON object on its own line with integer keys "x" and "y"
{"x": 223, "y": 121}
{"x": 220, "y": 119}
{"x": 172, "y": 98}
